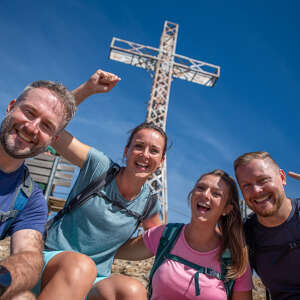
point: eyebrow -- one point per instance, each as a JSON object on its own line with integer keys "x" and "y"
{"x": 142, "y": 142}
{"x": 36, "y": 111}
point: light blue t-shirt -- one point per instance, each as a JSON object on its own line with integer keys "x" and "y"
{"x": 98, "y": 228}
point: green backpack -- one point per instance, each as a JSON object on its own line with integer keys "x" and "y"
{"x": 166, "y": 244}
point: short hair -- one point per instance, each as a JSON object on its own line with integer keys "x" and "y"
{"x": 63, "y": 94}
{"x": 149, "y": 125}
{"x": 247, "y": 157}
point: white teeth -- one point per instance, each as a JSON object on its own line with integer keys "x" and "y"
{"x": 202, "y": 205}
{"x": 24, "y": 137}
{"x": 142, "y": 165}
{"x": 261, "y": 199}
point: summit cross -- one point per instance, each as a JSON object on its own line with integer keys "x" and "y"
{"x": 163, "y": 65}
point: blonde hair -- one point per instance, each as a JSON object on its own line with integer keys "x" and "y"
{"x": 247, "y": 157}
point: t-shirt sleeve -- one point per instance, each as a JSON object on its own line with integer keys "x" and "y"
{"x": 152, "y": 237}
{"x": 34, "y": 215}
{"x": 94, "y": 166}
{"x": 244, "y": 283}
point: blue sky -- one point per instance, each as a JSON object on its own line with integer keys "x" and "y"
{"x": 254, "y": 105}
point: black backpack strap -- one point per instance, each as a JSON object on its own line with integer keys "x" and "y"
{"x": 225, "y": 263}
{"x": 150, "y": 204}
{"x": 87, "y": 193}
{"x": 248, "y": 230}
{"x": 166, "y": 243}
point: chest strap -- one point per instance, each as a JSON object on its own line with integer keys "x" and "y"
{"x": 204, "y": 270}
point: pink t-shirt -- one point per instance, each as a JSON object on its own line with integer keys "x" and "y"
{"x": 173, "y": 280}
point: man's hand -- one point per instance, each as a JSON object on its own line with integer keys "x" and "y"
{"x": 25, "y": 262}
{"x": 99, "y": 82}
{"x": 102, "y": 82}
{"x": 294, "y": 175}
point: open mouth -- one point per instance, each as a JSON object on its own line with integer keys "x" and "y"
{"x": 142, "y": 166}
{"x": 262, "y": 200}
{"x": 25, "y": 138}
{"x": 203, "y": 206}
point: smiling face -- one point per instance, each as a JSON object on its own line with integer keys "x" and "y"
{"x": 144, "y": 154}
{"x": 209, "y": 199}
{"x": 31, "y": 124}
{"x": 262, "y": 185}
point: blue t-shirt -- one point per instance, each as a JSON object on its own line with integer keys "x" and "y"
{"x": 34, "y": 214}
{"x": 278, "y": 268}
{"x": 97, "y": 228}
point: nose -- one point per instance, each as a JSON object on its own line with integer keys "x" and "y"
{"x": 206, "y": 193}
{"x": 32, "y": 126}
{"x": 146, "y": 152}
{"x": 256, "y": 189}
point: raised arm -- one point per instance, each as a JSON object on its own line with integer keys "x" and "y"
{"x": 67, "y": 145}
{"x": 134, "y": 249}
{"x": 25, "y": 263}
{"x": 100, "y": 82}
{"x": 294, "y": 175}
{"x": 71, "y": 148}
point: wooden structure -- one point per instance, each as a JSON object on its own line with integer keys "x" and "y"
{"x": 164, "y": 65}
{"x": 51, "y": 170}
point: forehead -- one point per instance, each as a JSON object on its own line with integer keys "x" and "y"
{"x": 149, "y": 134}
{"x": 254, "y": 169}
{"x": 42, "y": 96}
{"x": 214, "y": 182}
{"x": 45, "y": 102}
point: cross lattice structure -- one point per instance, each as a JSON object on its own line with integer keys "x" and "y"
{"x": 163, "y": 65}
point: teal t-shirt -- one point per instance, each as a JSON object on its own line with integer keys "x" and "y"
{"x": 97, "y": 228}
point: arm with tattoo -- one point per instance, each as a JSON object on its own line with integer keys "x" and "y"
{"x": 25, "y": 262}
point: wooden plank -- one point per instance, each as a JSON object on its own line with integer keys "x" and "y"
{"x": 56, "y": 204}
{"x": 44, "y": 179}
{"x": 43, "y": 156}
{"x": 56, "y": 201}
{"x": 35, "y": 171}
{"x": 69, "y": 168}
{"x": 55, "y": 208}
{"x": 49, "y": 164}
{"x": 39, "y": 163}
{"x": 39, "y": 171}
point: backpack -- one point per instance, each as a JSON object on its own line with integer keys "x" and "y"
{"x": 22, "y": 193}
{"x": 95, "y": 188}
{"x": 249, "y": 223}
{"x": 166, "y": 244}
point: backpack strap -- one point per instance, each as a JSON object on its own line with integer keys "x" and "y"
{"x": 166, "y": 243}
{"x": 208, "y": 271}
{"x": 248, "y": 230}
{"x": 225, "y": 263}
{"x": 150, "y": 204}
{"x": 87, "y": 193}
{"x": 22, "y": 193}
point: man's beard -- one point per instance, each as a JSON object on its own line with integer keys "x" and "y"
{"x": 11, "y": 147}
{"x": 279, "y": 198}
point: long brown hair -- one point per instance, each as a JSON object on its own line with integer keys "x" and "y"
{"x": 231, "y": 228}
